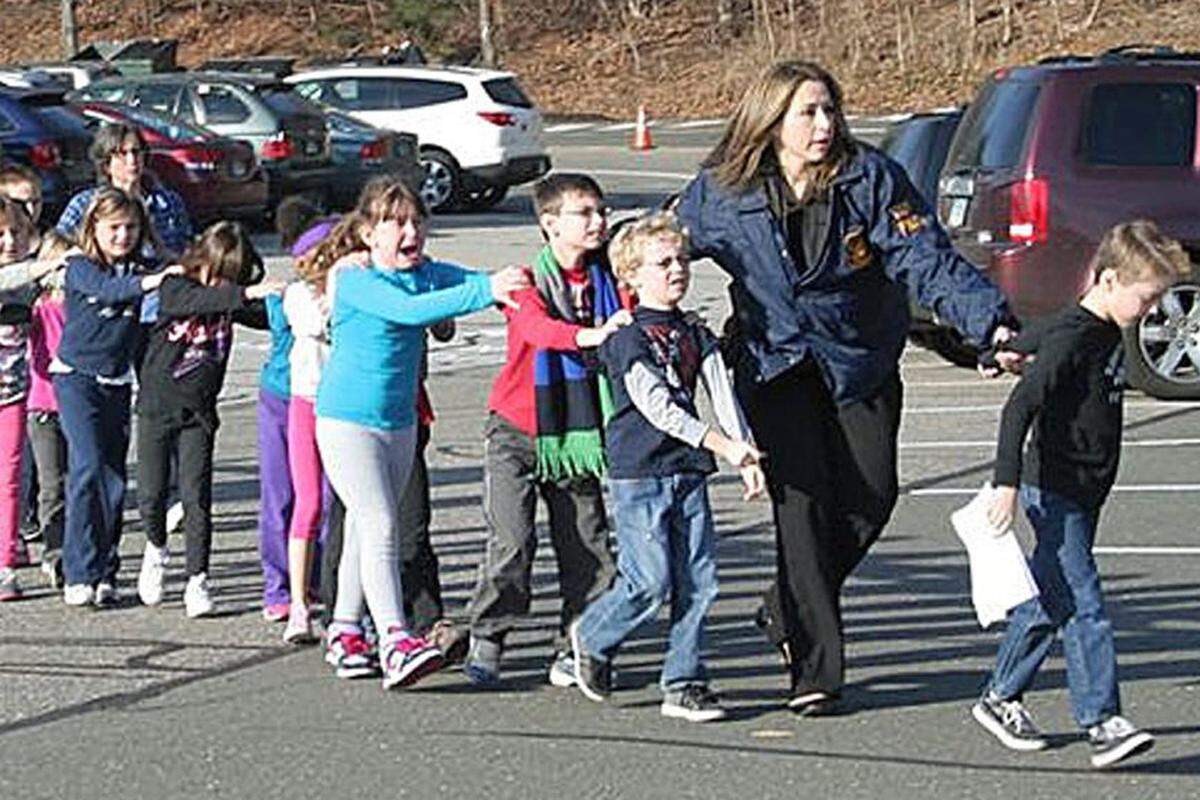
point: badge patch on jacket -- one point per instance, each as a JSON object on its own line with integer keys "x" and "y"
{"x": 907, "y": 221}
{"x": 858, "y": 249}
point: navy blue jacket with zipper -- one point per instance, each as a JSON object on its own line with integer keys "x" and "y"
{"x": 848, "y": 309}
{"x": 102, "y": 334}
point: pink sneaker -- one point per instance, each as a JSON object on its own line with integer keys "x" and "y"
{"x": 276, "y": 612}
{"x": 407, "y": 659}
{"x": 351, "y": 656}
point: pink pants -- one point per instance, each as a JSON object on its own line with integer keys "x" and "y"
{"x": 304, "y": 462}
{"x": 12, "y": 442}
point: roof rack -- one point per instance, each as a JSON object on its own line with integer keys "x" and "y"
{"x": 274, "y": 66}
{"x": 1125, "y": 53}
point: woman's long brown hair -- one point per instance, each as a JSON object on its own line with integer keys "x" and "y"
{"x": 749, "y": 136}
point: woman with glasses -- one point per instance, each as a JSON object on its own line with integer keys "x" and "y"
{"x": 119, "y": 155}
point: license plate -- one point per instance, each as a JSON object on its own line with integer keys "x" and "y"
{"x": 957, "y": 214}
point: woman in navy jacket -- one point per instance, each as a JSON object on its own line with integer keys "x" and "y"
{"x": 826, "y": 242}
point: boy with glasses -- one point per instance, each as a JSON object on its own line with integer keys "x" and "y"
{"x": 543, "y": 436}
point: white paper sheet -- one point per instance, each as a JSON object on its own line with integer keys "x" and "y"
{"x": 1000, "y": 576}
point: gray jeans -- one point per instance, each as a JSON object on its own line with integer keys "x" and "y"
{"x": 50, "y": 457}
{"x": 578, "y": 533}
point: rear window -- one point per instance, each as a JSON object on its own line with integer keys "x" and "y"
{"x": 415, "y": 93}
{"x": 282, "y": 100}
{"x": 507, "y": 91}
{"x": 221, "y": 106}
{"x": 64, "y": 121}
{"x": 993, "y": 132}
{"x": 1140, "y": 124}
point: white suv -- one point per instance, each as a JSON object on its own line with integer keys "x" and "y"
{"x": 479, "y": 133}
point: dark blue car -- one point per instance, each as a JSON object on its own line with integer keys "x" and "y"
{"x": 38, "y": 130}
{"x": 361, "y": 151}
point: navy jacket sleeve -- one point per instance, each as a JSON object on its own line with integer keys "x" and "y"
{"x": 689, "y": 210}
{"x": 86, "y": 277}
{"x": 917, "y": 253}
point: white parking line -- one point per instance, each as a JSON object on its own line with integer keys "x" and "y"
{"x": 1150, "y": 403}
{"x": 1118, "y": 550}
{"x": 1145, "y": 488}
{"x": 970, "y": 444}
{"x": 680, "y": 176}
{"x": 698, "y": 123}
{"x": 569, "y": 126}
{"x": 626, "y": 126}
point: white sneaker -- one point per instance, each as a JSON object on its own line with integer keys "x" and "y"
{"x": 78, "y": 594}
{"x": 299, "y": 626}
{"x": 174, "y": 521}
{"x": 105, "y": 595}
{"x": 196, "y": 600}
{"x": 150, "y": 578}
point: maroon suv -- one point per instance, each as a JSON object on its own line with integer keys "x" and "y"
{"x": 1049, "y": 156}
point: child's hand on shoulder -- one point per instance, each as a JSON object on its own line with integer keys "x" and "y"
{"x": 152, "y": 282}
{"x": 754, "y": 480}
{"x": 507, "y": 282}
{"x": 1002, "y": 511}
{"x": 260, "y": 290}
{"x": 356, "y": 260}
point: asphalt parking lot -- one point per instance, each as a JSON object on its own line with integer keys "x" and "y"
{"x": 139, "y": 702}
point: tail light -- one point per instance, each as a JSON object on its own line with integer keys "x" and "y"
{"x": 502, "y": 119}
{"x": 278, "y": 146}
{"x": 45, "y": 155}
{"x": 197, "y": 158}
{"x": 374, "y": 151}
{"x": 1029, "y": 210}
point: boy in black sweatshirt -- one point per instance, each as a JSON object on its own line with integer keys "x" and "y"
{"x": 1071, "y": 396}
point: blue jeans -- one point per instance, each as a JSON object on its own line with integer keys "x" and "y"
{"x": 95, "y": 422}
{"x": 666, "y": 549}
{"x": 1070, "y": 601}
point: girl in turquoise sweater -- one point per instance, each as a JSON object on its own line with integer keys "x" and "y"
{"x": 366, "y": 427}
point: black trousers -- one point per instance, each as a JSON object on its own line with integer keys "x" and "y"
{"x": 419, "y": 579}
{"x": 188, "y": 436}
{"x": 832, "y": 474}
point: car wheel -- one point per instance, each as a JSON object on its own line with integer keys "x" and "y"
{"x": 442, "y": 188}
{"x": 1163, "y": 349}
{"x": 485, "y": 197}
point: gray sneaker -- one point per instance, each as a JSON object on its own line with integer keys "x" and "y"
{"x": 1009, "y": 722}
{"x": 482, "y": 666}
{"x": 694, "y": 703}
{"x": 562, "y": 670}
{"x": 10, "y": 587}
{"x": 1116, "y": 739}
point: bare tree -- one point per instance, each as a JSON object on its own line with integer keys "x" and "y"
{"x": 487, "y": 46}
{"x": 70, "y": 32}
{"x": 1091, "y": 17}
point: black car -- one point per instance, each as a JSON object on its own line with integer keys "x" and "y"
{"x": 920, "y": 143}
{"x": 361, "y": 151}
{"x": 38, "y": 130}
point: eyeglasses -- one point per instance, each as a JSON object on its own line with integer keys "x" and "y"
{"x": 587, "y": 213}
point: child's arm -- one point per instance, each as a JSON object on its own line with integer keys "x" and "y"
{"x": 1022, "y": 407}
{"x": 23, "y": 273}
{"x": 532, "y": 322}
{"x": 183, "y": 297}
{"x": 729, "y": 412}
{"x": 460, "y": 292}
{"x": 85, "y": 277}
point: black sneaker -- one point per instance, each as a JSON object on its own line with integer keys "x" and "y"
{"x": 592, "y": 676}
{"x": 1116, "y": 739}
{"x": 812, "y": 703}
{"x": 695, "y": 703}
{"x": 1009, "y": 722}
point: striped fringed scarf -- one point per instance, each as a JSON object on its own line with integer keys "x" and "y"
{"x": 573, "y": 402}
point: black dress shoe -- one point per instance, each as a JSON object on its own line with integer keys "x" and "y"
{"x": 812, "y": 703}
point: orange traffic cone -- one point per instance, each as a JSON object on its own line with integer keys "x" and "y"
{"x": 641, "y": 132}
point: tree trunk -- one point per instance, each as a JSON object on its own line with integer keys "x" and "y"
{"x": 487, "y": 46}
{"x": 70, "y": 32}
{"x": 1091, "y": 17}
